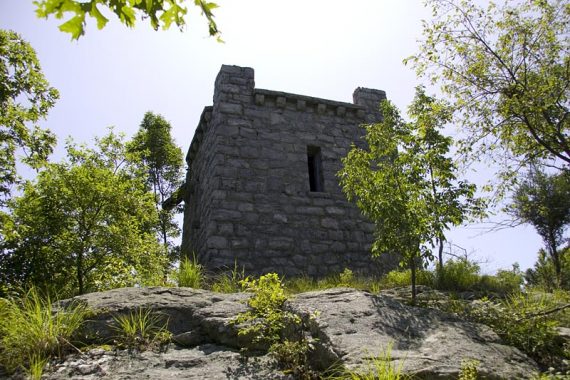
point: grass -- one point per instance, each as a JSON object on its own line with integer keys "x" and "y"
{"x": 190, "y": 274}
{"x": 229, "y": 282}
{"x": 381, "y": 367}
{"x": 32, "y": 330}
{"x": 141, "y": 329}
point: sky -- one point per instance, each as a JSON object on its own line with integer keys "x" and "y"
{"x": 321, "y": 48}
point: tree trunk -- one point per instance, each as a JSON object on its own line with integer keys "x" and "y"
{"x": 413, "y": 272}
{"x": 79, "y": 270}
{"x": 440, "y": 273}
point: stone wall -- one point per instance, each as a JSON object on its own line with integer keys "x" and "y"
{"x": 248, "y": 194}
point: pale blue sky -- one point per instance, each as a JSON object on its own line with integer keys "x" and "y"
{"x": 322, "y": 48}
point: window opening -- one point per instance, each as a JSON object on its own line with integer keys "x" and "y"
{"x": 315, "y": 168}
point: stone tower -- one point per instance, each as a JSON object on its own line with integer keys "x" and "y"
{"x": 261, "y": 187}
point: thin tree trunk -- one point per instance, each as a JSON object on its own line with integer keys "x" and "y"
{"x": 79, "y": 269}
{"x": 413, "y": 272}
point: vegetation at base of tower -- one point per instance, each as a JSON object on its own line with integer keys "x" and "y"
{"x": 505, "y": 68}
{"x": 140, "y": 330}
{"x": 84, "y": 224}
{"x": 543, "y": 201}
{"x": 160, "y": 13}
{"x": 154, "y": 150}
{"x": 32, "y": 330}
{"x": 25, "y": 99}
{"x": 190, "y": 274}
{"x": 406, "y": 184}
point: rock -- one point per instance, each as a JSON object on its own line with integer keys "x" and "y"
{"x": 207, "y": 361}
{"x": 350, "y": 325}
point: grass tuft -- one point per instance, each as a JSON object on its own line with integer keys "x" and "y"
{"x": 190, "y": 274}
{"x": 32, "y": 330}
{"x": 141, "y": 329}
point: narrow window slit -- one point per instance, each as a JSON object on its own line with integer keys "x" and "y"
{"x": 315, "y": 168}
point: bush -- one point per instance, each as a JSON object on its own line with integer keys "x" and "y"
{"x": 190, "y": 274}
{"x": 521, "y": 321}
{"x": 458, "y": 275}
{"x": 396, "y": 279}
{"x": 32, "y": 330}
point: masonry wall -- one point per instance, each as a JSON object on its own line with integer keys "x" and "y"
{"x": 248, "y": 196}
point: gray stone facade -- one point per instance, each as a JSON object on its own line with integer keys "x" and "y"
{"x": 261, "y": 187}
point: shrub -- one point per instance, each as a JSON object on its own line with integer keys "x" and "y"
{"x": 458, "y": 275}
{"x": 399, "y": 278}
{"x": 32, "y": 330}
{"x": 469, "y": 370}
{"x": 141, "y": 329}
{"x": 266, "y": 321}
{"x": 190, "y": 274}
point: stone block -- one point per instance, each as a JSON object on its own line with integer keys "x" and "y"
{"x": 231, "y": 108}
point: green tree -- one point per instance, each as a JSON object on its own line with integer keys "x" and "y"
{"x": 161, "y": 13}
{"x": 85, "y": 224}
{"x": 404, "y": 182}
{"x": 543, "y": 201}
{"x": 507, "y": 70}
{"x": 25, "y": 98}
{"x": 158, "y": 154}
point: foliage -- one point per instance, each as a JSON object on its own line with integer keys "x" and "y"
{"x": 85, "y": 224}
{"x": 190, "y": 274}
{"x": 523, "y": 321}
{"x": 32, "y": 330}
{"x": 25, "y": 98}
{"x": 379, "y": 368}
{"x": 265, "y": 319}
{"x": 229, "y": 282}
{"x": 469, "y": 370}
{"x": 506, "y": 70}
{"x": 141, "y": 329}
{"x": 153, "y": 148}
{"x": 404, "y": 182}
{"x": 458, "y": 275}
{"x": 543, "y": 274}
{"x": 161, "y": 13}
{"x": 400, "y": 278}
{"x": 544, "y": 201}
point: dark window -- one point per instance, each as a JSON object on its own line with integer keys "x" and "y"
{"x": 315, "y": 168}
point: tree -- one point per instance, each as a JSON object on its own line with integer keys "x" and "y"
{"x": 507, "y": 70}
{"x": 543, "y": 201}
{"x": 161, "y": 13}
{"x": 25, "y": 98}
{"x": 158, "y": 154}
{"x": 405, "y": 184}
{"x": 85, "y": 224}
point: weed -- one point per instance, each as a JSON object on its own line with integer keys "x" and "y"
{"x": 229, "y": 282}
{"x": 141, "y": 329}
{"x": 469, "y": 370}
{"x": 379, "y": 368}
{"x": 190, "y": 273}
{"x": 32, "y": 330}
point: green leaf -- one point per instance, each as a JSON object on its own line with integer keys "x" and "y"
{"x": 74, "y": 26}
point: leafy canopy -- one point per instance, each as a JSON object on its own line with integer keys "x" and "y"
{"x": 507, "y": 70}
{"x": 25, "y": 99}
{"x": 155, "y": 152}
{"x": 161, "y": 13}
{"x": 405, "y": 183}
{"x": 85, "y": 224}
{"x": 543, "y": 200}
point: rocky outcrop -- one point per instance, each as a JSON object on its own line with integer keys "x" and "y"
{"x": 350, "y": 325}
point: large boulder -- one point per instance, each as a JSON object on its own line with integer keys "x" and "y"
{"x": 350, "y": 325}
